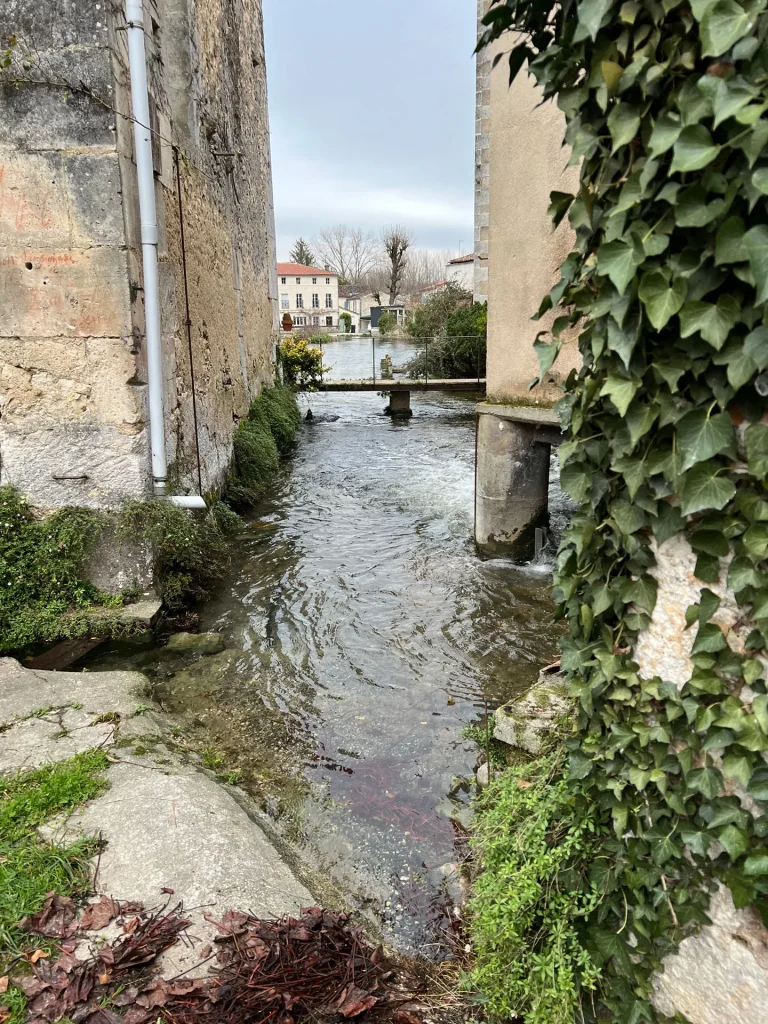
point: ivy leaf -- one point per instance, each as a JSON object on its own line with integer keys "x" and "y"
{"x": 623, "y": 123}
{"x": 703, "y": 488}
{"x": 621, "y": 392}
{"x": 756, "y": 242}
{"x": 709, "y": 639}
{"x": 591, "y": 14}
{"x": 723, "y": 24}
{"x": 756, "y": 347}
{"x": 662, "y": 300}
{"x": 740, "y": 367}
{"x": 665, "y": 134}
{"x": 700, "y": 436}
{"x": 612, "y": 73}
{"x": 706, "y": 781}
{"x": 697, "y": 839}
{"x": 713, "y": 321}
{"x": 623, "y": 340}
{"x": 729, "y": 99}
{"x": 739, "y": 767}
{"x": 756, "y": 438}
{"x": 760, "y": 180}
{"x": 559, "y": 203}
{"x": 756, "y": 864}
{"x": 694, "y": 149}
{"x": 547, "y": 353}
{"x": 734, "y": 841}
{"x": 619, "y": 262}
{"x": 730, "y": 247}
{"x": 742, "y": 574}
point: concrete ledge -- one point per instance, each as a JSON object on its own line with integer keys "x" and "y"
{"x": 533, "y": 414}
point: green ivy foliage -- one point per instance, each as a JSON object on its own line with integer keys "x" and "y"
{"x": 666, "y": 107}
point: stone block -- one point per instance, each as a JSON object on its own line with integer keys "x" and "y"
{"x": 719, "y": 976}
{"x": 34, "y": 206}
{"x": 90, "y": 465}
{"x": 65, "y": 292}
{"x": 196, "y": 643}
{"x": 117, "y": 563}
{"x": 94, "y": 188}
{"x": 529, "y": 722}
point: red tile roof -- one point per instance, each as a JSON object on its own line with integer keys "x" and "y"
{"x": 463, "y": 259}
{"x": 299, "y": 270}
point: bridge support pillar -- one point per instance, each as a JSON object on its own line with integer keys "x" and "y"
{"x": 399, "y": 404}
{"x": 512, "y": 485}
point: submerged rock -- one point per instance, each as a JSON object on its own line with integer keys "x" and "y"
{"x": 322, "y": 417}
{"x": 196, "y": 643}
{"x": 530, "y": 721}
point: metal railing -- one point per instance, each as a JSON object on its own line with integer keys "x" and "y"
{"x": 437, "y": 360}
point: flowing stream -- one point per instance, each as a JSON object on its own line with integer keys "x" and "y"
{"x": 363, "y": 635}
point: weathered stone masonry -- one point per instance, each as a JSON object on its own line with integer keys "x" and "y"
{"x": 73, "y": 403}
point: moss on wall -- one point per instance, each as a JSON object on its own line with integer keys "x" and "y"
{"x": 42, "y": 561}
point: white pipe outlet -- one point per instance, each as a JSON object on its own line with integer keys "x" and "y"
{"x": 145, "y": 172}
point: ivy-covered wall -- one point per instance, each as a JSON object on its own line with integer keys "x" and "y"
{"x": 662, "y": 576}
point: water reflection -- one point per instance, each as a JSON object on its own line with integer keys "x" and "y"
{"x": 363, "y": 635}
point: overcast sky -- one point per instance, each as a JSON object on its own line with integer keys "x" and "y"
{"x": 372, "y": 108}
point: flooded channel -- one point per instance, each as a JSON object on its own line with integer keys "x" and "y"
{"x": 363, "y": 635}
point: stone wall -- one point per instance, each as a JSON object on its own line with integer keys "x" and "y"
{"x": 73, "y": 403}
{"x": 482, "y": 160}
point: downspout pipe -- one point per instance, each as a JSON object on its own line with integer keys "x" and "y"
{"x": 145, "y": 172}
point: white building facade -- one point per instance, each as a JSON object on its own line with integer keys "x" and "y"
{"x": 461, "y": 271}
{"x": 310, "y": 295}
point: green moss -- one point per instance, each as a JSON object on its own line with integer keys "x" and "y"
{"x": 260, "y": 440}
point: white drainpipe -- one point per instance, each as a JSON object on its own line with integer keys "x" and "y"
{"x": 142, "y": 136}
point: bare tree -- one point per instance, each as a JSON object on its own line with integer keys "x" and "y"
{"x": 396, "y": 241}
{"x": 425, "y": 267}
{"x": 348, "y": 251}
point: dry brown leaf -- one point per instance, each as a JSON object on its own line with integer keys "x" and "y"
{"x": 39, "y": 954}
{"x": 523, "y": 784}
{"x": 4, "y": 984}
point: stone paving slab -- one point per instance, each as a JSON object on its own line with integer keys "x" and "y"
{"x": 166, "y": 825}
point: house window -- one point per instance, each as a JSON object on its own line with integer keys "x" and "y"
{"x": 316, "y": 320}
{"x": 329, "y": 321}
{"x": 329, "y": 301}
{"x": 298, "y": 280}
{"x": 284, "y": 302}
{"x": 346, "y": 303}
{"x": 283, "y": 280}
{"x": 327, "y": 280}
{"x": 314, "y": 280}
{"x": 315, "y": 301}
{"x": 299, "y": 301}
{"x": 300, "y": 321}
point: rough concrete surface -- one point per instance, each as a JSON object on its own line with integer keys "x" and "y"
{"x": 719, "y": 976}
{"x": 527, "y": 723}
{"x": 166, "y": 823}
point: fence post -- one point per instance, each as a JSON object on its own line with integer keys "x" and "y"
{"x": 373, "y": 349}
{"x": 426, "y": 361}
{"x": 477, "y": 343}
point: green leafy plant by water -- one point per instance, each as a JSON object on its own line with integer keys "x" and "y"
{"x": 42, "y": 570}
{"x": 665, "y": 295}
{"x": 536, "y": 887}
{"x": 301, "y": 363}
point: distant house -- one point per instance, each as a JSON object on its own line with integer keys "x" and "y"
{"x": 461, "y": 271}
{"x": 432, "y": 289}
{"x": 310, "y": 295}
{"x": 351, "y": 302}
{"x": 398, "y": 311}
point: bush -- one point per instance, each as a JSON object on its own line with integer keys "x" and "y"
{"x": 302, "y": 364}
{"x": 345, "y": 321}
{"x": 387, "y": 322}
{"x": 457, "y": 329}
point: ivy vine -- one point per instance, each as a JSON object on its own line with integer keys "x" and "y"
{"x": 666, "y": 109}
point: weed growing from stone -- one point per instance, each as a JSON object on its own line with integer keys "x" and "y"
{"x": 29, "y": 867}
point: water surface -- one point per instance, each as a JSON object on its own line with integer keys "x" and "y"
{"x": 363, "y": 635}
